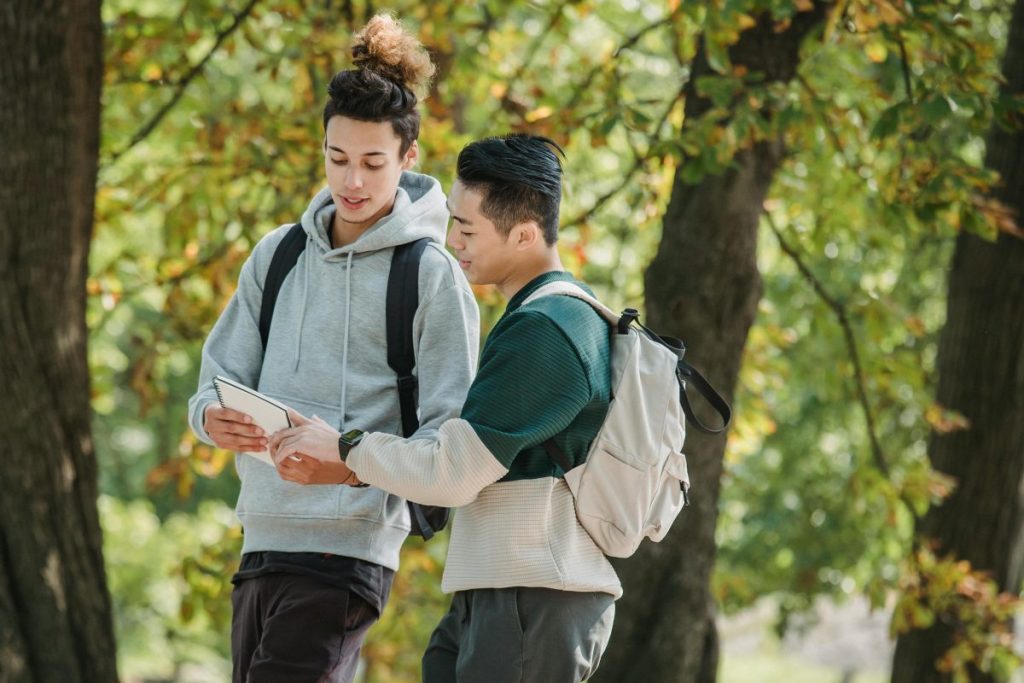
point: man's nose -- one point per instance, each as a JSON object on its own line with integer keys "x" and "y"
{"x": 353, "y": 178}
{"x": 452, "y": 241}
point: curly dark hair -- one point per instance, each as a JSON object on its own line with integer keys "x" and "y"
{"x": 390, "y": 66}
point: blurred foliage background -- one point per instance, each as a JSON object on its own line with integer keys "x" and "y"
{"x": 211, "y": 138}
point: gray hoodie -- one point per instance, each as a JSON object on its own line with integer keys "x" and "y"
{"x": 326, "y": 356}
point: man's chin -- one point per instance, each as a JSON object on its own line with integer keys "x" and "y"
{"x": 353, "y": 217}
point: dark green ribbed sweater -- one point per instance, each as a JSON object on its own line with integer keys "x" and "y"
{"x": 544, "y": 372}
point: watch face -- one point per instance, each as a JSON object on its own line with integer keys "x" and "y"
{"x": 352, "y": 436}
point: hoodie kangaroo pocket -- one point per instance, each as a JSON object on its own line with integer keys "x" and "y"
{"x": 264, "y": 492}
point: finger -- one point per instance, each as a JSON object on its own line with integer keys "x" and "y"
{"x": 284, "y": 435}
{"x": 289, "y": 445}
{"x": 297, "y": 471}
{"x": 216, "y": 412}
{"x": 286, "y": 463}
{"x": 240, "y": 443}
{"x": 244, "y": 446}
{"x": 252, "y": 431}
{"x": 286, "y": 453}
{"x": 289, "y": 475}
{"x": 275, "y": 441}
{"x": 233, "y": 430}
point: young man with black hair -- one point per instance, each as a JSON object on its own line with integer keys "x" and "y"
{"x": 318, "y": 558}
{"x": 534, "y": 595}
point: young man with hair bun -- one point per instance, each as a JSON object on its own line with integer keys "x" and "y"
{"x": 318, "y": 557}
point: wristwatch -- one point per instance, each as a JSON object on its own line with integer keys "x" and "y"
{"x": 348, "y": 441}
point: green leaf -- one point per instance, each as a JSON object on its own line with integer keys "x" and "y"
{"x": 889, "y": 121}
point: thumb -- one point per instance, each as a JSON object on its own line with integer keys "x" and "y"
{"x": 297, "y": 419}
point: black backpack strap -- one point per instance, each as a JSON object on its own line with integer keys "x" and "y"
{"x": 285, "y": 256}
{"x": 687, "y": 373}
{"x": 421, "y": 525}
{"x": 402, "y": 300}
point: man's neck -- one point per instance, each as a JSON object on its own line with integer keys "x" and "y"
{"x": 344, "y": 233}
{"x": 549, "y": 262}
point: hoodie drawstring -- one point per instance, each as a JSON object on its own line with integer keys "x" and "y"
{"x": 344, "y": 342}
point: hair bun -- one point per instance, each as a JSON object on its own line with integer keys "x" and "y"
{"x": 387, "y": 49}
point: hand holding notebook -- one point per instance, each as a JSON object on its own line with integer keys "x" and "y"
{"x": 266, "y": 413}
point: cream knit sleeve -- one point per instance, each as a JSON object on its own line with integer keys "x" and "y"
{"x": 450, "y": 470}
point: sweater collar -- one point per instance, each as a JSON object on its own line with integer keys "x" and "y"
{"x": 533, "y": 285}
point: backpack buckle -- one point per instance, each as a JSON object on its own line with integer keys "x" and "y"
{"x": 629, "y": 316}
{"x": 407, "y": 382}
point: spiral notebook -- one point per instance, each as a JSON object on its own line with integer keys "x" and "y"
{"x": 265, "y": 412}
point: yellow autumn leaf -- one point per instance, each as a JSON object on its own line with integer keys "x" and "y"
{"x": 539, "y": 113}
{"x": 294, "y": 134}
{"x": 152, "y": 72}
{"x": 943, "y": 420}
{"x": 916, "y": 326}
{"x": 889, "y": 13}
{"x": 876, "y": 51}
{"x": 745, "y": 21}
{"x": 940, "y": 485}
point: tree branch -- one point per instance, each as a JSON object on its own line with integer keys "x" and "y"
{"x": 629, "y": 42}
{"x": 851, "y": 343}
{"x": 143, "y": 132}
{"x": 830, "y": 131}
{"x": 168, "y": 281}
{"x": 506, "y": 100}
{"x": 638, "y": 162}
{"x": 906, "y": 67}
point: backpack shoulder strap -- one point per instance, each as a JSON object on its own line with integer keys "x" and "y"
{"x": 400, "y": 309}
{"x": 285, "y": 256}
{"x": 563, "y": 288}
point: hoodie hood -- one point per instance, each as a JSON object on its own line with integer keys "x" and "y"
{"x": 419, "y": 211}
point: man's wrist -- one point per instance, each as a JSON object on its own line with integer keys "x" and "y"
{"x": 348, "y": 441}
{"x": 353, "y": 480}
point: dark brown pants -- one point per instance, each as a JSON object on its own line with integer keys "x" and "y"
{"x": 288, "y": 628}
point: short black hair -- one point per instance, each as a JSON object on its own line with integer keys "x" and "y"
{"x": 520, "y": 179}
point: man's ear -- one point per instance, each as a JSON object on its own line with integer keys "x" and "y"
{"x": 527, "y": 235}
{"x": 411, "y": 156}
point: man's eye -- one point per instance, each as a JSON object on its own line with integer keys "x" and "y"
{"x": 375, "y": 168}
{"x": 339, "y": 162}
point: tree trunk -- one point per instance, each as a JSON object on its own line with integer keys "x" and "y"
{"x": 55, "y": 615}
{"x": 981, "y": 375}
{"x": 703, "y": 286}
